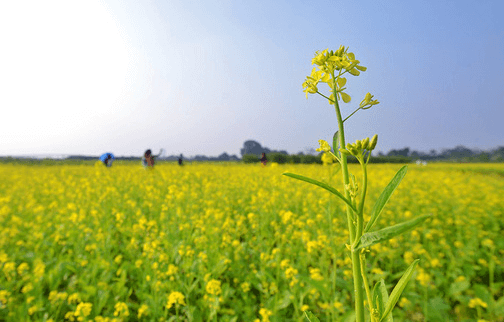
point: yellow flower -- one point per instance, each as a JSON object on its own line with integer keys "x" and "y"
{"x": 74, "y": 298}
{"x": 324, "y": 146}
{"x": 83, "y": 310}
{"x": 423, "y": 277}
{"x": 245, "y": 287}
{"x": 315, "y": 274}
{"x": 22, "y": 268}
{"x": 32, "y": 310}
{"x": 339, "y": 306}
{"x": 27, "y": 288}
{"x": 121, "y": 309}
{"x": 367, "y": 102}
{"x": 290, "y": 272}
{"x": 460, "y": 279}
{"x": 213, "y": 287}
{"x": 70, "y": 316}
{"x": 404, "y": 302}
{"x": 172, "y": 270}
{"x": 327, "y": 159}
{"x": 265, "y": 314}
{"x": 176, "y": 298}
{"x": 39, "y": 269}
{"x": 142, "y": 310}
{"x": 473, "y": 303}
{"x": 488, "y": 243}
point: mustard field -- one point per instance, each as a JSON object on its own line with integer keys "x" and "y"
{"x": 235, "y": 242}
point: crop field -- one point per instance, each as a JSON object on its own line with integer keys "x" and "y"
{"x": 236, "y": 242}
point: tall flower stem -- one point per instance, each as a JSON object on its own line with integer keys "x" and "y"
{"x": 356, "y": 267}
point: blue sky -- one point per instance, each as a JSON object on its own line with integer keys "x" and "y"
{"x": 201, "y": 77}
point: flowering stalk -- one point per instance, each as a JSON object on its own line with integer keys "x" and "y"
{"x": 330, "y": 68}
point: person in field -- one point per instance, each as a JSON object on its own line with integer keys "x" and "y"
{"x": 148, "y": 159}
{"x": 107, "y": 159}
{"x": 263, "y": 159}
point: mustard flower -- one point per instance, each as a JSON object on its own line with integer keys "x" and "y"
{"x": 473, "y": 303}
{"x": 176, "y": 298}
{"x": 213, "y": 287}
{"x": 83, "y": 310}
{"x": 142, "y": 311}
{"x": 121, "y": 309}
{"x": 265, "y": 314}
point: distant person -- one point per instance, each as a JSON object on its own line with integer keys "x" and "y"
{"x": 263, "y": 159}
{"x": 149, "y": 159}
{"x": 180, "y": 160}
{"x": 107, "y": 159}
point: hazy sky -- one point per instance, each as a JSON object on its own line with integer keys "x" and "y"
{"x": 202, "y": 77}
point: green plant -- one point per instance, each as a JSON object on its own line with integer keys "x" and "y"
{"x": 330, "y": 68}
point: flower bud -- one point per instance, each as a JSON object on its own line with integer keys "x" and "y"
{"x": 358, "y": 144}
{"x": 365, "y": 144}
{"x": 372, "y": 143}
{"x": 344, "y": 151}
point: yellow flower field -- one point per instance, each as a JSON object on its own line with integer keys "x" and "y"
{"x": 235, "y": 242}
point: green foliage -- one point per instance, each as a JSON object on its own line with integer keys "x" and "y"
{"x": 278, "y": 158}
{"x": 309, "y": 159}
{"x": 250, "y": 158}
{"x": 295, "y": 158}
{"x": 322, "y": 185}
{"x": 385, "y": 196}
{"x": 375, "y": 237}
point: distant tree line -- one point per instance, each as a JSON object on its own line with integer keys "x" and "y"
{"x": 252, "y": 150}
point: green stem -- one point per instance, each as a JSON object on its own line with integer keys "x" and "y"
{"x": 366, "y": 285}
{"x": 359, "y": 300}
{"x": 351, "y": 114}
{"x": 360, "y": 214}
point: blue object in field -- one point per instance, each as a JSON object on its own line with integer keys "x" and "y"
{"x": 104, "y": 157}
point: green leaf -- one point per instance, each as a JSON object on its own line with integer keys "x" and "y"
{"x": 335, "y": 142}
{"x": 458, "y": 287}
{"x": 375, "y": 237}
{"x": 321, "y": 185}
{"x": 380, "y": 297}
{"x": 385, "y": 196}
{"x": 398, "y": 289}
{"x": 312, "y": 318}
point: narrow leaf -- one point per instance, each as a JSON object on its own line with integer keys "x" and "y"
{"x": 312, "y": 318}
{"x": 398, "y": 289}
{"x": 385, "y": 196}
{"x": 380, "y": 297}
{"x": 321, "y": 185}
{"x": 375, "y": 237}
{"x": 335, "y": 141}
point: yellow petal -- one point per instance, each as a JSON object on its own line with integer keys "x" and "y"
{"x": 354, "y": 72}
{"x": 341, "y": 81}
{"x": 346, "y": 98}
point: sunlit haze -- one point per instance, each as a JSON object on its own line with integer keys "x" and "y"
{"x": 201, "y": 77}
